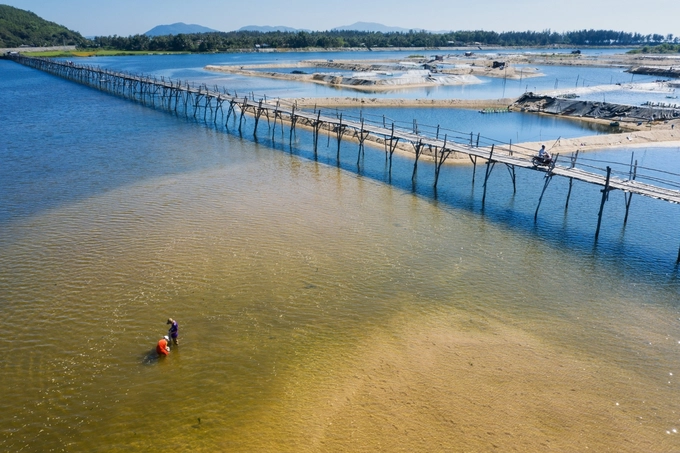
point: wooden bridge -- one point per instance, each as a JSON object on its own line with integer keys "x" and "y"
{"x": 208, "y": 104}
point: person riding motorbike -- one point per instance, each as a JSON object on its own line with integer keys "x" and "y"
{"x": 544, "y": 156}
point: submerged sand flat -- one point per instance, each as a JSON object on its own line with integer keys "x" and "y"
{"x": 442, "y": 69}
{"x": 462, "y": 384}
{"x": 362, "y": 81}
{"x": 379, "y": 75}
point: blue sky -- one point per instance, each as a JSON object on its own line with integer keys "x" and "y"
{"x": 128, "y": 17}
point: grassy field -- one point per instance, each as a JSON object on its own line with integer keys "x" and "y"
{"x": 94, "y": 53}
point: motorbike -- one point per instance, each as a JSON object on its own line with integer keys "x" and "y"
{"x": 544, "y": 161}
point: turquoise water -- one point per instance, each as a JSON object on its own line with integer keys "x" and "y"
{"x": 323, "y": 305}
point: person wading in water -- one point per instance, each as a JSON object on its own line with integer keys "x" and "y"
{"x": 174, "y": 331}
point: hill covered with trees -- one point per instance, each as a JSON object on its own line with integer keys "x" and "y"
{"x": 19, "y": 27}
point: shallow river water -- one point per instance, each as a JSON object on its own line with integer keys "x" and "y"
{"x": 320, "y": 307}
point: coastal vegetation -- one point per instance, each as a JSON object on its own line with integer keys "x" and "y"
{"x": 19, "y": 27}
{"x": 216, "y": 42}
{"x": 661, "y": 48}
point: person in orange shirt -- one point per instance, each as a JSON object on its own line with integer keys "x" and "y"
{"x": 162, "y": 348}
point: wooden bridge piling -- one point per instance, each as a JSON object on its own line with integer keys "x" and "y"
{"x": 572, "y": 158}
{"x": 258, "y": 113}
{"x": 439, "y": 160}
{"x": 243, "y": 111}
{"x": 628, "y": 196}
{"x": 339, "y": 131}
{"x": 546, "y": 182}
{"x": 316, "y": 125}
{"x": 473, "y": 159}
{"x": 362, "y": 136}
{"x": 490, "y": 163}
{"x": 511, "y": 170}
{"x": 418, "y": 148}
{"x": 394, "y": 141}
{"x": 293, "y": 120}
{"x": 605, "y": 196}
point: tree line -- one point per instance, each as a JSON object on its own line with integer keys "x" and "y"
{"x": 229, "y": 41}
{"x": 19, "y": 27}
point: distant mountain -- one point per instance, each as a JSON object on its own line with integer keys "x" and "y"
{"x": 178, "y": 28}
{"x": 372, "y": 26}
{"x": 268, "y": 29}
{"x": 19, "y": 27}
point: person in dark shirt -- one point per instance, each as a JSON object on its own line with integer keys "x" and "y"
{"x": 174, "y": 330}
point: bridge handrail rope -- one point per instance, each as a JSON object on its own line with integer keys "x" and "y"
{"x": 625, "y": 171}
{"x": 626, "y": 164}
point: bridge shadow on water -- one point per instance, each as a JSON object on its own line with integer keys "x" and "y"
{"x": 633, "y": 249}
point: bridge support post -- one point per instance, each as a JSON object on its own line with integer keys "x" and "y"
{"x": 198, "y": 100}
{"x": 207, "y": 103}
{"x": 393, "y": 146}
{"x": 276, "y": 115}
{"x": 293, "y": 120}
{"x": 628, "y": 197}
{"x": 605, "y": 195}
{"x": 439, "y": 160}
{"x": 230, "y": 111}
{"x": 571, "y": 180}
{"x": 418, "y": 147}
{"x": 473, "y": 159}
{"x": 338, "y": 133}
{"x": 548, "y": 178}
{"x": 511, "y": 170}
{"x": 185, "y": 99}
{"x": 489, "y": 167}
{"x": 258, "y": 113}
{"x": 362, "y": 136}
{"x": 316, "y": 126}
{"x": 243, "y": 111}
